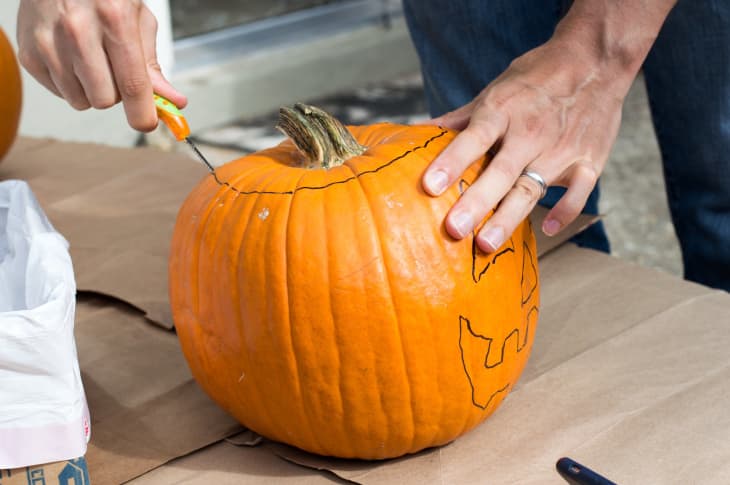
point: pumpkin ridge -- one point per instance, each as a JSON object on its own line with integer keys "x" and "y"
{"x": 336, "y": 182}
{"x": 340, "y": 358}
{"x": 413, "y": 432}
{"x": 235, "y": 210}
{"x": 206, "y": 218}
{"x": 441, "y": 382}
{"x": 433, "y": 326}
{"x": 221, "y": 246}
{"x": 314, "y": 435}
{"x": 296, "y": 367}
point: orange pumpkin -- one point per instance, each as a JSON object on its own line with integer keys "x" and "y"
{"x": 10, "y": 99}
{"x": 327, "y": 308}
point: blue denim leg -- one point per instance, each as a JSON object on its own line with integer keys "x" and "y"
{"x": 464, "y": 44}
{"x": 688, "y": 80}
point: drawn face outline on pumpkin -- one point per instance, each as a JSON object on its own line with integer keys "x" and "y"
{"x": 486, "y": 391}
{"x": 249, "y": 389}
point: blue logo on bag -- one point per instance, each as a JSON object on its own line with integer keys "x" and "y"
{"x": 74, "y": 473}
{"x": 35, "y": 476}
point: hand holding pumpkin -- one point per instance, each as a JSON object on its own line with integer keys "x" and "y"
{"x": 555, "y": 111}
{"x": 545, "y": 112}
{"x": 95, "y": 53}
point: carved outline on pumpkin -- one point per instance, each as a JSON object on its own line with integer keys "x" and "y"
{"x": 337, "y": 182}
{"x": 475, "y": 251}
{"x": 484, "y": 406}
{"x": 518, "y": 348}
{"x": 533, "y": 270}
{"x": 527, "y": 257}
{"x": 463, "y": 184}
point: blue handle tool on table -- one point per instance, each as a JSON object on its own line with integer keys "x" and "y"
{"x": 576, "y": 474}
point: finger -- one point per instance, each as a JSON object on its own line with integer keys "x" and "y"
{"x": 33, "y": 37}
{"x": 123, "y": 45}
{"x": 581, "y": 179}
{"x": 492, "y": 185}
{"x": 89, "y": 61}
{"x": 96, "y": 78}
{"x": 31, "y": 61}
{"x": 44, "y": 77}
{"x": 512, "y": 210}
{"x": 163, "y": 87}
{"x": 160, "y": 85}
{"x": 60, "y": 69}
{"x": 469, "y": 145}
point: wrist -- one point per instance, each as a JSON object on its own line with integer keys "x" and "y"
{"x": 612, "y": 38}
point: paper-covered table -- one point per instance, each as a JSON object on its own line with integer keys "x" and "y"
{"x": 629, "y": 372}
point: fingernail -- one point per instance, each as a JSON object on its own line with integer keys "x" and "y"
{"x": 436, "y": 181}
{"x": 551, "y": 227}
{"x": 493, "y": 237}
{"x": 462, "y": 223}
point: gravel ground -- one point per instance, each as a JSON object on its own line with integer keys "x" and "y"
{"x": 633, "y": 198}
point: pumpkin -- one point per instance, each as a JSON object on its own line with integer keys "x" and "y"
{"x": 319, "y": 300}
{"x": 10, "y": 99}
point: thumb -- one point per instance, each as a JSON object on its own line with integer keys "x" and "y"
{"x": 163, "y": 87}
{"x": 160, "y": 85}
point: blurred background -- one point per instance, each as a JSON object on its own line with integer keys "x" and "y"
{"x": 239, "y": 60}
{"x": 195, "y": 17}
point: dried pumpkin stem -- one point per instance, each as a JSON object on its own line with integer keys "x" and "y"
{"x": 323, "y": 140}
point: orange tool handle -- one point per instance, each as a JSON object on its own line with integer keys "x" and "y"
{"x": 169, "y": 114}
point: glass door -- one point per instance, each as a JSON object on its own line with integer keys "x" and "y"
{"x": 195, "y": 17}
{"x": 209, "y": 32}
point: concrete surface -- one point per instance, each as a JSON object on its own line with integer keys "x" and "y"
{"x": 254, "y": 83}
{"x": 633, "y": 198}
{"x": 634, "y": 202}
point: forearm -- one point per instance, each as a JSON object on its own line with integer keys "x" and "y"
{"x": 614, "y": 35}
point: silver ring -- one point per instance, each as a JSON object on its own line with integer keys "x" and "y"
{"x": 537, "y": 178}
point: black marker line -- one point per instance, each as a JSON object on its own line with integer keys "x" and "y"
{"x": 349, "y": 179}
{"x": 528, "y": 255}
{"x": 468, "y": 376}
{"x": 519, "y": 346}
{"x": 475, "y": 256}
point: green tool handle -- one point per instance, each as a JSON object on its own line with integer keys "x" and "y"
{"x": 169, "y": 114}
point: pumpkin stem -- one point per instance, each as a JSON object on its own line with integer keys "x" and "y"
{"x": 323, "y": 140}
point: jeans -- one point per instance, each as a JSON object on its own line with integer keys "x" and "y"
{"x": 464, "y": 44}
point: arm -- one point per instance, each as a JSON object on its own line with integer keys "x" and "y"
{"x": 556, "y": 110}
{"x": 95, "y": 53}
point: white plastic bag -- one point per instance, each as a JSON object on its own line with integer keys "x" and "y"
{"x": 43, "y": 412}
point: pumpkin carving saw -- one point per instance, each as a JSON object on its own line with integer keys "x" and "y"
{"x": 319, "y": 300}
